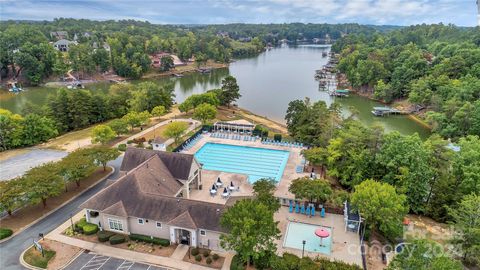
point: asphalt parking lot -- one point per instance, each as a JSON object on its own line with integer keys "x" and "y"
{"x": 92, "y": 261}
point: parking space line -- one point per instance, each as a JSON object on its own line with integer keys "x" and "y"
{"x": 126, "y": 265}
{"x": 95, "y": 263}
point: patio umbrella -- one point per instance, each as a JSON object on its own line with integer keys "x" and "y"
{"x": 290, "y": 208}
{"x": 307, "y": 211}
{"x": 322, "y": 233}
{"x": 214, "y": 187}
{"x": 297, "y": 208}
{"x": 313, "y": 211}
{"x": 322, "y": 213}
{"x": 303, "y": 209}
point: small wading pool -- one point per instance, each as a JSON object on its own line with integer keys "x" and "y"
{"x": 255, "y": 162}
{"x": 297, "y": 232}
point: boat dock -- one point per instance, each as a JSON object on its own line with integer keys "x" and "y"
{"x": 339, "y": 93}
{"x": 382, "y": 111}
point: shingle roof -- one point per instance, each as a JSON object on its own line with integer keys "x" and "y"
{"x": 177, "y": 163}
{"x": 116, "y": 209}
{"x": 140, "y": 199}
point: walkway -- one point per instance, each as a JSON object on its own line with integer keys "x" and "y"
{"x": 169, "y": 141}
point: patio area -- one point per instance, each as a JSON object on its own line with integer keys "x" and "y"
{"x": 345, "y": 245}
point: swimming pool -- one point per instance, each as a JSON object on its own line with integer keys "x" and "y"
{"x": 255, "y": 162}
{"x": 297, "y": 232}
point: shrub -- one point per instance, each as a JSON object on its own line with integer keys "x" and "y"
{"x": 198, "y": 258}
{"x": 277, "y": 137}
{"x": 139, "y": 140}
{"x": 116, "y": 239}
{"x": 4, "y": 233}
{"x": 103, "y": 236}
{"x": 149, "y": 147}
{"x": 122, "y": 147}
{"x": 148, "y": 239}
{"x": 129, "y": 141}
{"x": 194, "y": 251}
{"x": 215, "y": 256}
{"x": 82, "y": 222}
{"x": 90, "y": 229}
{"x": 140, "y": 145}
{"x": 206, "y": 253}
{"x": 236, "y": 263}
{"x": 209, "y": 260}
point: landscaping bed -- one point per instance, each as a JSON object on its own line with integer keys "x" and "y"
{"x": 138, "y": 243}
{"x": 204, "y": 257}
{"x": 34, "y": 257}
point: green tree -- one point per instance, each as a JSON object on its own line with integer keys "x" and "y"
{"x": 466, "y": 166}
{"x": 175, "y": 130}
{"x": 43, "y": 182}
{"x": 205, "y": 112}
{"x": 263, "y": 190}
{"x": 102, "y": 134}
{"x": 166, "y": 63}
{"x": 424, "y": 255}
{"x": 252, "y": 230}
{"x": 135, "y": 119}
{"x": 119, "y": 126}
{"x": 12, "y": 195}
{"x": 37, "y": 129}
{"x": 77, "y": 166}
{"x": 466, "y": 217}
{"x": 10, "y": 130}
{"x": 103, "y": 154}
{"x": 101, "y": 58}
{"x": 158, "y": 111}
{"x": 230, "y": 91}
{"x": 313, "y": 190}
{"x": 380, "y": 206}
{"x": 149, "y": 95}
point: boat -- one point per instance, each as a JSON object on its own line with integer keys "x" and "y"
{"x": 178, "y": 75}
{"x": 324, "y": 54}
{"x": 12, "y": 87}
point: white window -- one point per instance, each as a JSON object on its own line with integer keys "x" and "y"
{"x": 159, "y": 224}
{"x": 141, "y": 221}
{"x": 115, "y": 225}
{"x": 203, "y": 232}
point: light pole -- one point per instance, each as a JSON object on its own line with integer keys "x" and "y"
{"x": 71, "y": 221}
{"x": 303, "y": 248}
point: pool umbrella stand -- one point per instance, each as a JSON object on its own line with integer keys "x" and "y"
{"x": 322, "y": 234}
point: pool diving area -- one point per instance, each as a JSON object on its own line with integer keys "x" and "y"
{"x": 297, "y": 232}
{"x": 254, "y": 162}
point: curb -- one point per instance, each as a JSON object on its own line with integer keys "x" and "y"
{"x": 25, "y": 264}
{"x": 58, "y": 207}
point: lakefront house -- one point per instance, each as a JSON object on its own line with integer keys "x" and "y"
{"x": 151, "y": 198}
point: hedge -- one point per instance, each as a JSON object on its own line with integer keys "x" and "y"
{"x": 198, "y": 258}
{"x": 277, "y": 137}
{"x": 90, "y": 229}
{"x": 194, "y": 251}
{"x": 116, "y": 239}
{"x": 103, "y": 236}
{"x": 4, "y": 233}
{"x": 148, "y": 239}
{"x": 122, "y": 147}
{"x": 82, "y": 222}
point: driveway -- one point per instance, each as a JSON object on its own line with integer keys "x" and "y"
{"x": 92, "y": 261}
{"x": 10, "y": 250}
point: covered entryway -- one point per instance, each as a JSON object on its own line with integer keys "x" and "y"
{"x": 183, "y": 236}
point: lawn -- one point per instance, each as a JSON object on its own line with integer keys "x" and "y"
{"x": 27, "y": 215}
{"x": 35, "y": 258}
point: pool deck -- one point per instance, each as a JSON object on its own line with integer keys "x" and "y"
{"x": 345, "y": 245}
{"x": 289, "y": 172}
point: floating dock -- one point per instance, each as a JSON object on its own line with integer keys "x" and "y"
{"x": 382, "y": 111}
{"x": 340, "y": 93}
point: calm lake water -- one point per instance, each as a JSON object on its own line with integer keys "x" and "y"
{"x": 267, "y": 83}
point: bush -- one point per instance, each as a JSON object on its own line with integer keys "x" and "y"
{"x": 194, "y": 251}
{"x": 215, "y": 256}
{"x": 116, "y": 239}
{"x": 150, "y": 147}
{"x": 103, "y": 236}
{"x": 206, "y": 253}
{"x": 198, "y": 258}
{"x": 148, "y": 239}
{"x": 122, "y": 147}
{"x": 4, "y": 233}
{"x": 139, "y": 140}
{"x": 129, "y": 141}
{"x": 82, "y": 222}
{"x": 277, "y": 137}
{"x": 90, "y": 229}
{"x": 209, "y": 260}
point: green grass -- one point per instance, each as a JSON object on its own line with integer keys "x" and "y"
{"x": 4, "y": 233}
{"x": 34, "y": 257}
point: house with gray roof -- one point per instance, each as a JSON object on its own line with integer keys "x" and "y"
{"x": 63, "y": 44}
{"x": 151, "y": 198}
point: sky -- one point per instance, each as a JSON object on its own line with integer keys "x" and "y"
{"x": 379, "y": 12}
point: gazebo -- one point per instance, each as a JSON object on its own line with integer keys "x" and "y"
{"x": 352, "y": 218}
{"x": 237, "y": 126}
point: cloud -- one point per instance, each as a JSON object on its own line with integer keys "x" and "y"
{"x": 399, "y": 12}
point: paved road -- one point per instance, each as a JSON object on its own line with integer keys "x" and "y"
{"x": 91, "y": 261}
{"x": 10, "y": 251}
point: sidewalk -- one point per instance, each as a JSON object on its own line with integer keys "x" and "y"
{"x": 129, "y": 255}
{"x": 169, "y": 141}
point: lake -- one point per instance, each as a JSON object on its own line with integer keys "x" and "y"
{"x": 268, "y": 82}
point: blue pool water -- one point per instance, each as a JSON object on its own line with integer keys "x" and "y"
{"x": 297, "y": 232}
{"x": 255, "y": 162}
